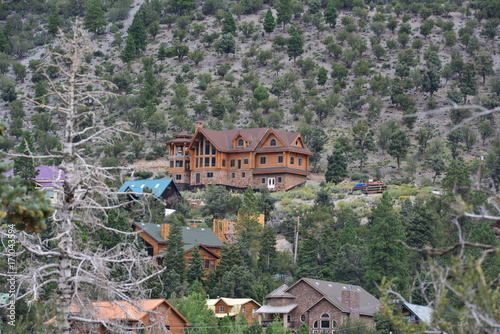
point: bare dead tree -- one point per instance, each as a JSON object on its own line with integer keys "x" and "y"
{"x": 62, "y": 258}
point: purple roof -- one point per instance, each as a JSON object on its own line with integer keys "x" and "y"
{"x": 48, "y": 176}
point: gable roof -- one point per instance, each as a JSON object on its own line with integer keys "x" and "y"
{"x": 190, "y": 235}
{"x": 125, "y": 310}
{"x": 157, "y": 186}
{"x": 223, "y": 140}
{"x": 47, "y": 177}
{"x": 235, "y": 303}
{"x": 332, "y": 292}
{"x": 424, "y": 313}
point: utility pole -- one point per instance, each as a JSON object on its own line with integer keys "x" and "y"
{"x": 296, "y": 240}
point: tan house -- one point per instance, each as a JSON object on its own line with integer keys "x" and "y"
{"x": 321, "y": 305}
{"x": 239, "y": 158}
{"x": 153, "y": 316}
{"x": 232, "y": 307}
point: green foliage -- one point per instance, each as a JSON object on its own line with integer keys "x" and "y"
{"x": 261, "y": 93}
{"x": 336, "y": 171}
{"x": 228, "y": 25}
{"x": 399, "y": 144}
{"x": 331, "y": 14}
{"x": 269, "y": 22}
{"x": 95, "y": 21}
{"x": 295, "y": 46}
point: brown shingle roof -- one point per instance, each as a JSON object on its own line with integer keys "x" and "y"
{"x": 223, "y": 140}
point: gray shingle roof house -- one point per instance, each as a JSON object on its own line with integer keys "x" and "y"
{"x": 322, "y": 305}
{"x": 156, "y": 237}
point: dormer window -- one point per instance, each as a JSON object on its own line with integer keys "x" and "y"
{"x": 272, "y": 142}
{"x": 241, "y": 142}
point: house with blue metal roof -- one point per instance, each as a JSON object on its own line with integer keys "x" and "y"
{"x": 165, "y": 189}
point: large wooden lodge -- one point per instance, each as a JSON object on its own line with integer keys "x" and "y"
{"x": 238, "y": 158}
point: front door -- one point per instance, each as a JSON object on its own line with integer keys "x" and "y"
{"x": 270, "y": 182}
{"x": 198, "y": 178}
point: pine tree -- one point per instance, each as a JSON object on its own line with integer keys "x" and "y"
{"x": 129, "y": 51}
{"x": 399, "y": 143}
{"x": 24, "y": 212}
{"x": 267, "y": 252}
{"x": 95, "y": 21}
{"x": 195, "y": 271}
{"x": 53, "y": 20}
{"x": 295, "y": 46}
{"x": 322, "y": 76}
{"x": 307, "y": 258}
{"x": 137, "y": 31}
{"x": 174, "y": 254}
{"x": 331, "y": 14}
{"x": 24, "y": 167}
{"x": 228, "y": 25}
{"x": 266, "y": 202}
{"x": 269, "y": 22}
{"x": 386, "y": 256}
{"x": 336, "y": 171}
{"x": 363, "y": 141}
{"x": 467, "y": 81}
{"x": 284, "y": 12}
{"x": 248, "y": 221}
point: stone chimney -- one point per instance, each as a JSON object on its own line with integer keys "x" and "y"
{"x": 350, "y": 299}
{"x": 165, "y": 230}
{"x": 198, "y": 125}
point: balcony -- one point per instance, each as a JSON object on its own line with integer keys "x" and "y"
{"x": 177, "y": 156}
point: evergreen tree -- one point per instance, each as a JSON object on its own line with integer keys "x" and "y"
{"x": 484, "y": 64}
{"x": 331, "y": 14}
{"x": 173, "y": 259}
{"x": 363, "y": 140}
{"x": 387, "y": 256}
{"x": 307, "y": 257}
{"x": 399, "y": 144}
{"x": 248, "y": 220}
{"x": 457, "y": 177}
{"x": 25, "y": 167}
{"x": 284, "y": 12}
{"x": 129, "y": 51}
{"x": 266, "y": 202}
{"x": 53, "y": 21}
{"x": 138, "y": 33}
{"x": 322, "y": 76}
{"x": 269, "y": 22}
{"x": 95, "y": 21}
{"x": 228, "y": 25}
{"x": 336, "y": 171}
{"x": 467, "y": 81}
{"x": 195, "y": 271}
{"x": 295, "y": 46}
{"x": 226, "y": 44}
{"x": 267, "y": 252}
{"x": 182, "y": 6}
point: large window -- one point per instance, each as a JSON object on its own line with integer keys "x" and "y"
{"x": 245, "y": 161}
{"x": 209, "y": 264}
{"x": 292, "y": 160}
{"x": 179, "y": 163}
{"x": 263, "y": 160}
{"x": 232, "y": 163}
{"x": 325, "y": 321}
{"x": 280, "y": 159}
{"x": 222, "y": 309}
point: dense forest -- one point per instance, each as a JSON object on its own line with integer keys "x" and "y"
{"x": 402, "y": 91}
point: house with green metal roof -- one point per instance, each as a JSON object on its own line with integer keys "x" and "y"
{"x": 156, "y": 238}
{"x": 165, "y": 189}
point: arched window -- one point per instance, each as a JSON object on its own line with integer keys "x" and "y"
{"x": 241, "y": 142}
{"x": 272, "y": 142}
{"x": 325, "y": 323}
{"x": 315, "y": 325}
{"x": 334, "y": 324}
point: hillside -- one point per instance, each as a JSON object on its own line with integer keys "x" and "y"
{"x": 383, "y": 64}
